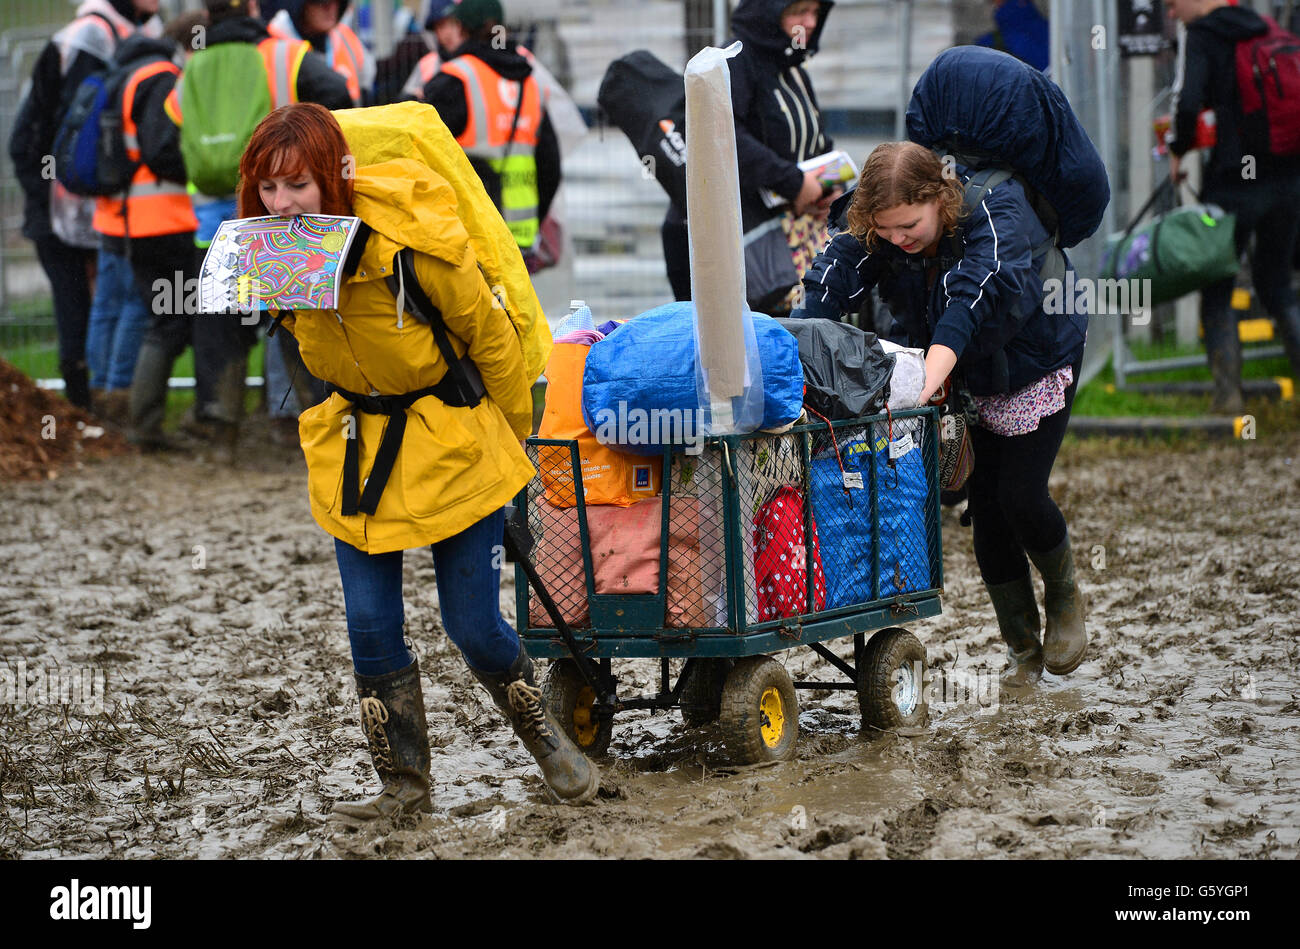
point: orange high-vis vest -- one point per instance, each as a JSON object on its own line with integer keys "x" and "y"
{"x": 491, "y": 102}
{"x": 153, "y": 207}
{"x": 282, "y": 58}
{"x": 346, "y": 55}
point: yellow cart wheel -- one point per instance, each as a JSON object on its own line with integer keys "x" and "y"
{"x": 760, "y": 714}
{"x": 572, "y": 702}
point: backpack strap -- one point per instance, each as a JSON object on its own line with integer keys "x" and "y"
{"x": 406, "y": 289}
{"x": 984, "y": 181}
{"x": 514, "y": 123}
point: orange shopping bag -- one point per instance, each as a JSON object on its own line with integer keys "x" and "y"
{"x": 609, "y": 476}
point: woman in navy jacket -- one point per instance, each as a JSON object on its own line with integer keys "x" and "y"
{"x": 965, "y": 284}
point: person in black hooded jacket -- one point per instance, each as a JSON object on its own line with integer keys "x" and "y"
{"x": 1262, "y": 190}
{"x": 778, "y": 121}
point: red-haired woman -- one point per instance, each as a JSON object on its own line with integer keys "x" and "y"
{"x": 967, "y": 286}
{"x": 456, "y": 466}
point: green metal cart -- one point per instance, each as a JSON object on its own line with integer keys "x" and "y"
{"x": 872, "y": 483}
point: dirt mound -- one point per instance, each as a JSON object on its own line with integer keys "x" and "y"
{"x": 41, "y": 432}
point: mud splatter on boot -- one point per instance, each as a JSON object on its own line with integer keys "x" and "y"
{"x": 571, "y": 777}
{"x": 1018, "y": 622}
{"x": 1066, "y": 640}
{"x": 392, "y": 717}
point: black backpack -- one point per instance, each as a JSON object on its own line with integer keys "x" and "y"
{"x": 646, "y": 99}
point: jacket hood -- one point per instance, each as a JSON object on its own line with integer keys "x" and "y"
{"x": 126, "y": 9}
{"x": 505, "y": 62}
{"x": 244, "y": 29}
{"x": 270, "y": 8}
{"x": 1232, "y": 23}
{"x": 757, "y": 24}
{"x": 139, "y": 46}
{"x": 411, "y": 205}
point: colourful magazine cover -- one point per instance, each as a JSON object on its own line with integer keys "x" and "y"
{"x": 276, "y": 263}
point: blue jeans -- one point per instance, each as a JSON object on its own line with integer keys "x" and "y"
{"x": 279, "y": 388}
{"x": 469, "y": 583}
{"x": 118, "y": 321}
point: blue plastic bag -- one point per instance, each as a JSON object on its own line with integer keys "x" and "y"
{"x": 638, "y": 388}
{"x": 842, "y": 508}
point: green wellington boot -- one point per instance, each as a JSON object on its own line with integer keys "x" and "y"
{"x": 1017, "y": 613}
{"x": 147, "y": 403}
{"x": 392, "y": 717}
{"x": 1066, "y": 640}
{"x": 569, "y": 774}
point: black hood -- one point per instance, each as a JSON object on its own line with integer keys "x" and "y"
{"x": 505, "y": 62}
{"x": 757, "y": 24}
{"x": 244, "y": 29}
{"x": 128, "y": 11}
{"x": 138, "y": 46}
{"x": 1231, "y": 23}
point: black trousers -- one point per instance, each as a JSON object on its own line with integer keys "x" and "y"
{"x": 1009, "y": 504}
{"x": 70, "y": 271}
{"x": 677, "y": 252}
{"x": 1269, "y": 208}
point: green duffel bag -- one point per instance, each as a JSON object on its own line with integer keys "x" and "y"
{"x": 1180, "y": 251}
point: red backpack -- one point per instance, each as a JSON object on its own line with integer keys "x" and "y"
{"x": 1268, "y": 77}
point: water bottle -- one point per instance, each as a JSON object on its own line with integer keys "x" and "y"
{"x": 579, "y": 319}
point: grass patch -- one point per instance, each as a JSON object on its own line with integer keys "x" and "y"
{"x": 1101, "y": 398}
{"x": 39, "y": 359}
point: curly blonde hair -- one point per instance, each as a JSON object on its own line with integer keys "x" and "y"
{"x": 899, "y": 173}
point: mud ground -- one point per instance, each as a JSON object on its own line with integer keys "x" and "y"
{"x": 210, "y": 603}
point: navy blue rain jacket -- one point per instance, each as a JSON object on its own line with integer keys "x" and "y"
{"x": 985, "y": 303}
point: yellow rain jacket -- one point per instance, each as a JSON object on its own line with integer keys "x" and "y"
{"x": 455, "y": 465}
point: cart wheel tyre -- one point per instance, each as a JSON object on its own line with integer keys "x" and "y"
{"x": 570, "y": 700}
{"x": 891, "y": 681}
{"x": 701, "y": 699}
{"x": 760, "y": 714}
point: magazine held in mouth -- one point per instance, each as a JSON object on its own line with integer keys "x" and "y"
{"x": 276, "y": 263}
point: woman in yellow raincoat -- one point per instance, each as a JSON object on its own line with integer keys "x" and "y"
{"x": 399, "y": 456}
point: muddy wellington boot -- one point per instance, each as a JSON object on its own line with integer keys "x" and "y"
{"x": 228, "y": 412}
{"x": 147, "y": 404}
{"x": 569, "y": 774}
{"x": 1066, "y": 640}
{"x": 1224, "y": 354}
{"x": 392, "y": 717}
{"x": 1017, "y": 613}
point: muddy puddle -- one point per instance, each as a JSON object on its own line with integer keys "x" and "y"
{"x": 193, "y": 620}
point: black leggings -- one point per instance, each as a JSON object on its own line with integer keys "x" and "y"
{"x": 1009, "y": 504}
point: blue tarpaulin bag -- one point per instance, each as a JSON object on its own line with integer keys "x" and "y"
{"x": 903, "y": 493}
{"x": 638, "y": 386}
{"x": 844, "y": 516}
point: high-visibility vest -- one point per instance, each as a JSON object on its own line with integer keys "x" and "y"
{"x": 491, "y": 101}
{"x": 348, "y": 58}
{"x": 424, "y": 70}
{"x": 431, "y": 63}
{"x": 153, "y": 207}
{"x": 281, "y": 58}
{"x": 343, "y": 50}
